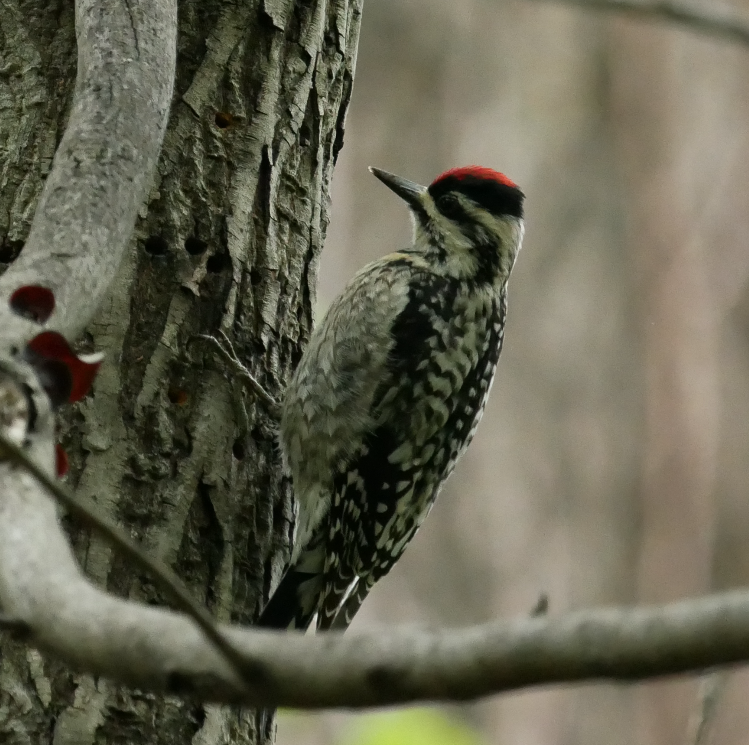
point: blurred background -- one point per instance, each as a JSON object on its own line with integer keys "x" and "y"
{"x": 611, "y": 466}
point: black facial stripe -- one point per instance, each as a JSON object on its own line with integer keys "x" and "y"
{"x": 499, "y": 199}
{"x": 421, "y": 214}
{"x": 487, "y": 248}
{"x": 449, "y": 205}
{"x": 489, "y": 261}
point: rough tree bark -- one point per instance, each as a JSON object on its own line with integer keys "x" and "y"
{"x": 229, "y": 239}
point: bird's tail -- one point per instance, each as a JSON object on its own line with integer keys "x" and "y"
{"x": 294, "y": 603}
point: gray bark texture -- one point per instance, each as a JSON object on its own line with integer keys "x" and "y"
{"x": 168, "y": 445}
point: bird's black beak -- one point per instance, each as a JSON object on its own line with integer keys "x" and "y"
{"x": 408, "y": 191}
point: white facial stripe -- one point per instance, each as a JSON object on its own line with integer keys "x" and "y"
{"x": 461, "y": 260}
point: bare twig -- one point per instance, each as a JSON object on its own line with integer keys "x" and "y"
{"x": 709, "y": 694}
{"x": 541, "y": 608}
{"x": 227, "y": 351}
{"x": 705, "y": 19}
{"x": 156, "y": 649}
{"x": 163, "y": 576}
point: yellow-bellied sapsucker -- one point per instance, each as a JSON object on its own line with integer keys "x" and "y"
{"x": 389, "y": 392}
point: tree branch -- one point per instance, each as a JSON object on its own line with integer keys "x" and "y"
{"x": 716, "y": 21}
{"x": 103, "y": 167}
{"x": 100, "y": 176}
{"x": 155, "y": 649}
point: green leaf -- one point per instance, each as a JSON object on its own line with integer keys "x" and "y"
{"x": 412, "y": 727}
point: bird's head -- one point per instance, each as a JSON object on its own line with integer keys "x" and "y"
{"x": 468, "y": 221}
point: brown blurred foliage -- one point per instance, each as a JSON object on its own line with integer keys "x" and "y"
{"x": 611, "y": 465}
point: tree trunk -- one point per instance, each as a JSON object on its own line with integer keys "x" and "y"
{"x": 168, "y": 444}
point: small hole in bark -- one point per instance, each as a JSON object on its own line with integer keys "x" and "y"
{"x": 156, "y": 245}
{"x": 62, "y": 373}
{"x": 179, "y": 683}
{"x": 218, "y": 262}
{"x": 223, "y": 120}
{"x": 305, "y": 135}
{"x": 256, "y": 277}
{"x": 61, "y": 461}
{"x": 194, "y": 246}
{"x": 238, "y": 449}
{"x": 177, "y": 395}
{"x": 15, "y": 627}
{"x": 33, "y": 302}
{"x": 9, "y": 250}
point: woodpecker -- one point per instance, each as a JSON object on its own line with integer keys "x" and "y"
{"x": 389, "y": 392}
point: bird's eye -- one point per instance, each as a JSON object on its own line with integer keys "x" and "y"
{"x": 449, "y": 206}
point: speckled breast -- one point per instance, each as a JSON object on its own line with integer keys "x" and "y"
{"x": 442, "y": 368}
